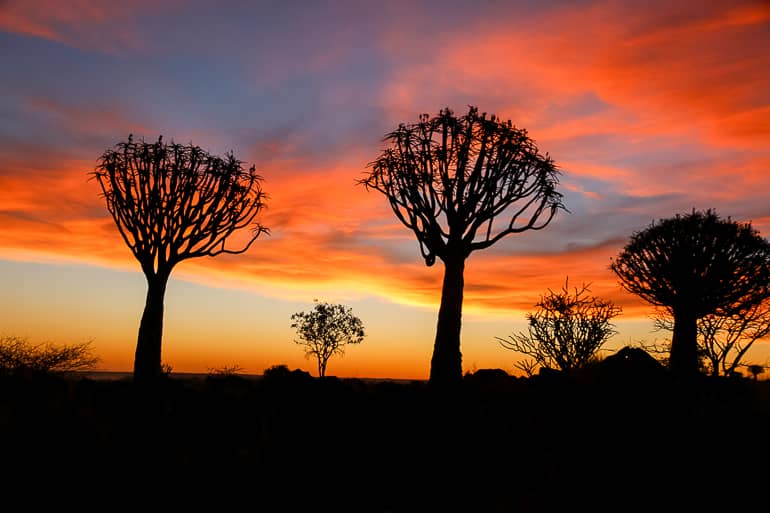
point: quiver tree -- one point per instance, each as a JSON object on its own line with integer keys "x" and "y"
{"x": 172, "y": 202}
{"x": 566, "y": 330}
{"x": 462, "y": 183}
{"x": 693, "y": 266}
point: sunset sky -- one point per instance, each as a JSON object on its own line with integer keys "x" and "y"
{"x": 649, "y": 109}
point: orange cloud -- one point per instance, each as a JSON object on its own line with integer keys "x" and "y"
{"x": 681, "y": 69}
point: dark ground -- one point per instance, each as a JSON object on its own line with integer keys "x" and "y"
{"x": 611, "y": 440}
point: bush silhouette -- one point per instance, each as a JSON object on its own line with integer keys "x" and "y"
{"x": 567, "y": 329}
{"x": 18, "y": 355}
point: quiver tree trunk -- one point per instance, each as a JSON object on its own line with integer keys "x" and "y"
{"x": 684, "y": 345}
{"x": 446, "y": 364}
{"x": 147, "y": 360}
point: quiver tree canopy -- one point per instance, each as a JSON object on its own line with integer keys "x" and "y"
{"x": 172, "y": 202}
{"x": 695, "y": 265}
{"x": 462, "y": 183}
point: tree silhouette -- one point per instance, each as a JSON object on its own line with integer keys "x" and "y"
{"x": 326, "y": 330}
{"x": 566, "y": 330}
{"x": 692, "y": 266}
{"x": 172, "y": 202}
{"x": 724, "y": 340}
{"x": 462, "y": 183}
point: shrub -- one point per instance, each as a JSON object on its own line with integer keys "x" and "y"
{"x": 18, "y": 355}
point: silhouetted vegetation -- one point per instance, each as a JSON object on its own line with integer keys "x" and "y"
{"x": 725, "y": 339}
{"x": 173, "y": 202}
{"x": 462, "y": 183}
{"x": 326, "y": 330}
{"x": 693, "y": 266}
{"x": 755, "y": 370}
{"x": 225, "y": 370}
{"x": 616, "y": 436}
{"x": 566, "y": 331}
{"x": 18, "y": 355}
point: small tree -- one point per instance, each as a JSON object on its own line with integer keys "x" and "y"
{"x": 170, "y": 203}
{"x": 566, "y": 330}
{"x": 693, "y": 266}
{"x": 724, "y": 340}
{"x": 325, "y": 331}
{"x": 19, "y": 355}
{"x": 462, "y": 183}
